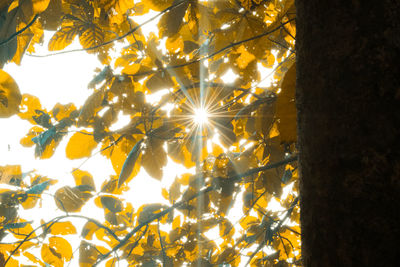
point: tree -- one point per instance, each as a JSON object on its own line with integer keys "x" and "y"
{"x": 348, "y": 107}
{"x": 196, "y": 43}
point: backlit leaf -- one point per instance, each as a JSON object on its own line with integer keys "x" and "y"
{"x": 129, "y": 163}
{"x": 111, "y": 203}
{"x": 57, "y": 251}
{"x": 91, "y": 36}
{"x": 154, "y": 158}
{"x": 9, "y": 174}
{"x": 69, "y": 199}
{"x": 88, "y": 230}
{"x": 62, "y": 228}
{"x": 286, "y": 107}
{"x": 171, "y": 22}
{"x": 84, "y": 178}
{"x": 88, "y": 253}
{"x": 10, "y": 96}
{"x": 157, "y": 5}
{"x": 80, "y": 145}
{"x": 63, "y": 38}
{"x": 40, "y": 5}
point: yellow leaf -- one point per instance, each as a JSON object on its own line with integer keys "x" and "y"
{"x": 91, "y": 36}
{"x": 69, "y": 199}
{"x": 21, "y": 232}
{"x": 158, "y": 81}
{"x": 171, "y": 22}
{"x": 32, "y": 258}
{"x": 154, "y": 158}
{"x": 164, "y": 193}
{"x": 174, "y": 44}
{"x": 129, "y": 164}
{"x": 110, "y": 186}
{"x": 80, "y": 145}
{"x": 48, "y": 150}
{"x": 157, "y": 5}
{"x": 30, "y": 202}
{"x": 28, "y": 106}
{"x": 10, "y": 97}
{"x": 249, "y": 220}
{"x": 88, "y": 230}
{"x": 40, "y": 5}
{"x": 62, "y": 228}
{"x": 60, "y": 111}
{"x": 10, "y": 172}
{"x": 83, "y": 178}
{"x": 57, "y": 251}
{"x": 62, "y": 38}
{"x": 180, "y": 154}
{"x": 245, "y": 57}
{"x": 175, "y": 191}
{"x": 23, "y": 41}
{"x": 111, "y": 203}
{"x": 270, "y": 60}
{"x": 247, "y": 4}
{"x": 176, "y": 222}
{"x": 13, "y": 5}
{"x": 112, "y": 262}
{"x": 33, "y": 132}
{"x": 286, "y": 107}
{"x": 87, "y": 254}
{"x": 91, "y": 107}
{"x": 51, "y": 17}
{"x": 118, "y": 155}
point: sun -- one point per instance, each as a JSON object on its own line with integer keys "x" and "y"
{"x": 200, "y": 116}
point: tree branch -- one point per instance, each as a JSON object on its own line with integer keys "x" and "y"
{"x": 20, "y": 31}
{"x": 235, "y": 178}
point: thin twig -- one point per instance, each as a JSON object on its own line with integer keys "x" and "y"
{"x": 161, "y": 244}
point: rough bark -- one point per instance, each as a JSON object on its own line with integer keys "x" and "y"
{"x": 348, "y": 100}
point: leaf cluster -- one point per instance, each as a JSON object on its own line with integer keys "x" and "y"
{"x": 250, "y": 166}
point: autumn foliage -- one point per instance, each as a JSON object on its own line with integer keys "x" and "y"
{"x": 247, "y": 166}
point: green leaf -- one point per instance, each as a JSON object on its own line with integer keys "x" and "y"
{"x": 129, "y": 163}
{"x": 16, "y": 225}
{"x": 111, "y": 203}
{"x": 39, "y": 188}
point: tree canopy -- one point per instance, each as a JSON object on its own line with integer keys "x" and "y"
{"x": 242, "y": 148}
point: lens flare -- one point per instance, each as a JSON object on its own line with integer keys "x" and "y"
{"x": 200, "y": 116}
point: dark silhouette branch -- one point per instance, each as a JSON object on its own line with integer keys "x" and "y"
{"x": 20, "y": 31}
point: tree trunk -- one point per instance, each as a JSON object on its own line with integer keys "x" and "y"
{"x": 348, "y": 100}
